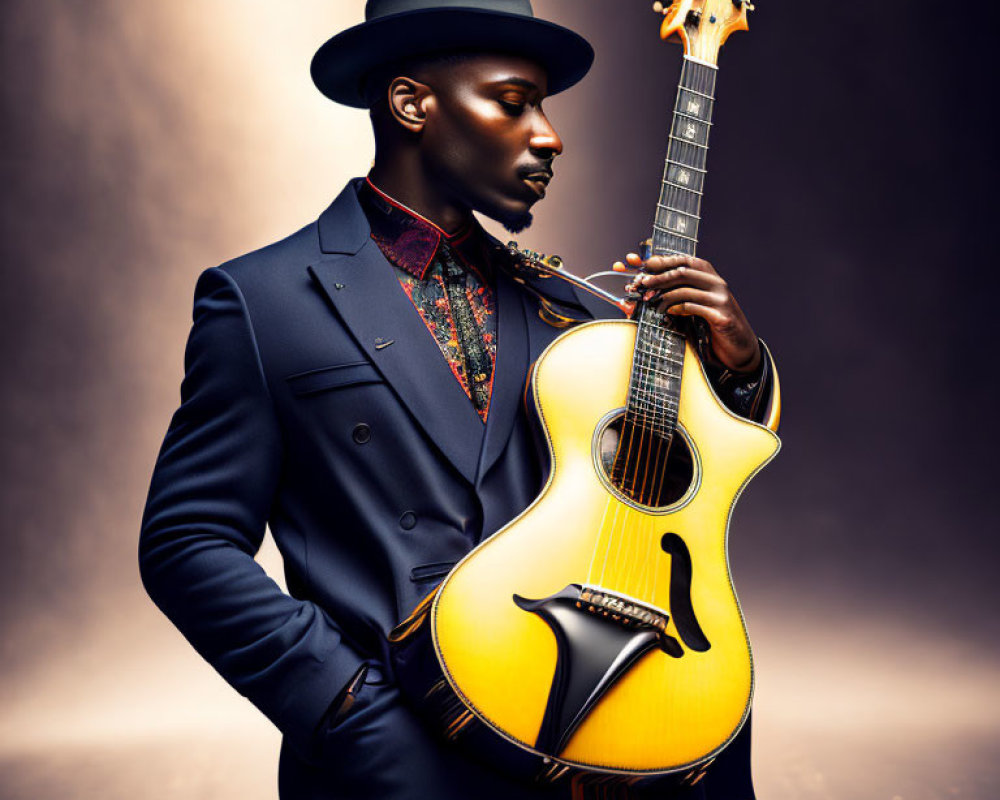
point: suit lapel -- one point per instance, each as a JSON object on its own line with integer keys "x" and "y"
{"x": 363, "y": 288}
{"x": 509, "y": 372}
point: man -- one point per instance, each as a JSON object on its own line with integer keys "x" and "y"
{"x": 358, "y": 387}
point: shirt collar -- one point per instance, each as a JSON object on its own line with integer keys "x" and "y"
{"x": 411, "y": 241}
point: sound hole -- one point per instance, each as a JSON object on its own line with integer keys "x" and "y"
{"x": 648, "y": 469}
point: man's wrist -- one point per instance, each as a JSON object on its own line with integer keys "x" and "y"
{"x": 751, "y": 366}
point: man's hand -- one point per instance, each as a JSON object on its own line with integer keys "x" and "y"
{"x": 687, "y": 286}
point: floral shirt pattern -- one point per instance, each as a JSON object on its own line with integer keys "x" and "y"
{"x": 447, "y": 278}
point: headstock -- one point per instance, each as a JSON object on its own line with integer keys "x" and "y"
{"x": 703, "y": 25}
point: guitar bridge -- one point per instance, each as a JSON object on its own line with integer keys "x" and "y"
{"x": 621, "y": 609}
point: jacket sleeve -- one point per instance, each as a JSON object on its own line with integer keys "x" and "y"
{"x": 752, "y": 395}
{"x": 210, "y": 497}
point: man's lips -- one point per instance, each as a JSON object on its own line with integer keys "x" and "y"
{"x": 538, "y": 181}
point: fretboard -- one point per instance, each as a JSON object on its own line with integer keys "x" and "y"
{"x": 678, "y": 210}
{"x": 654, "y": 390}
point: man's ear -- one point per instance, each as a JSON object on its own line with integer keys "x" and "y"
{"x": 408, "y": 101}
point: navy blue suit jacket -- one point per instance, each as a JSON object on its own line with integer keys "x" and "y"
{"x": 314, "y": 401}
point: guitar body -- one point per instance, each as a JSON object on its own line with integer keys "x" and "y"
{"x": 640, "y": 688}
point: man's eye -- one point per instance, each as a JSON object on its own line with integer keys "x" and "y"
{"x": 515, "y": 109}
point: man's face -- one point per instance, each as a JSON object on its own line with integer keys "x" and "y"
{"x": 486, "y": 141}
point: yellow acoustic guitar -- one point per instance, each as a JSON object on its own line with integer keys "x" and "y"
{"x": 599, "y": 631}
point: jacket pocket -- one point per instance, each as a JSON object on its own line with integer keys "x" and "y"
{"x": 333, "y": 377}
{"x": 430, "y": 572}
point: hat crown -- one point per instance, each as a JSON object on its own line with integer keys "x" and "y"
{"x": 384, "y": 8}
{"x": 395, "y": 30}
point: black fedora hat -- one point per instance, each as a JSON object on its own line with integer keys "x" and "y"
{"x": 398, "y": 29}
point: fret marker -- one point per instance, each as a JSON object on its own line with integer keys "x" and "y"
{"x": 681, "y": 224}
{"x": 694, "y": 107}
{"x": 690, "y": 131}
{"x": 684, "y": 177}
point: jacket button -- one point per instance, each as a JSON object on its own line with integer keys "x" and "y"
{"x": 408, "y": 521}
{"x": 362, "y": 433}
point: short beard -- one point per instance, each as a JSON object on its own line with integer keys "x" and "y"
{"x": 515, "y": 223}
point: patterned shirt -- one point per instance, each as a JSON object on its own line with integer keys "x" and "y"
{"x": 448, "y": 279}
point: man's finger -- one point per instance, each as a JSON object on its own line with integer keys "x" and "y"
{"x": 688, "y": 294}
{"x": 658, "y": 264}
{"x": 682, "y": 276}
{"x": 688, "y": 309}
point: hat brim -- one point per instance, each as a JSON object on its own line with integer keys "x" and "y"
{"x": 340, "y": 66}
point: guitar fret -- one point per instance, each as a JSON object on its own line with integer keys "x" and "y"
{"x": 680, "y": 224}
{"x": 671, "y": 248}
{"x": 671, "y": 243}
{"x": 679, "y": 211}
{"x": 651, "y": 406}
{"x": 688, "y": 142}
{"x": 691, "y": 130}
{"x": 687, "y": 202}
{"x": 695, "y": 91}
{"x": 645, "y": 340}
{"x": 682, "y": 188}
{"x": 653, "y": 348}
{"x": 685, "y": 177}
{"x": 665, "y": 423}
{"x": 696, "y": 119}
{"x": 677, "y": 361}
{"x": 686, "y": 166}
{"x": 694, "y": 105}
{"x": 653, "y": 392}
{"x": 674, "y": 233}
{"x": 655, "y": 384}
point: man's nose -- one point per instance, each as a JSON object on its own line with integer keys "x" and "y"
{"x": 544, "y": 138}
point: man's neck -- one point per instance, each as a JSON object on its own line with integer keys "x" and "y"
{"x": 420, "y": 196}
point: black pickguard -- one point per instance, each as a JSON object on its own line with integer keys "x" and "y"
{"x": 594, "y": 652}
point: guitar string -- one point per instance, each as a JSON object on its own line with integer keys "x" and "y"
{"x": 662, "y": 462}
{"x": 642, "y": 460}
{"x": 649, "y": 426}
{"x": 705, "y": 86}
{"x": 654, "y": 493}
{"x": 648, "y": 419}
{"x": 652, "y": 555}
{"x": 617, "y": 533}
{"x": 659, "y": 471}
{"x": 649, "y": 491}
{"x": 591, "y": 576}
{"x": 702, "y": 87}
{"x": 616, "y": 478}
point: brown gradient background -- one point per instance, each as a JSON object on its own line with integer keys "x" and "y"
{"x": 849, "y": 201}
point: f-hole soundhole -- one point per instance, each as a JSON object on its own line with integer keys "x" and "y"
{"x": 646, "y": 468}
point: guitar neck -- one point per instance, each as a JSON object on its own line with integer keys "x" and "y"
{"x": 678, "y": 210}
{"x": 658, "y": 361}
